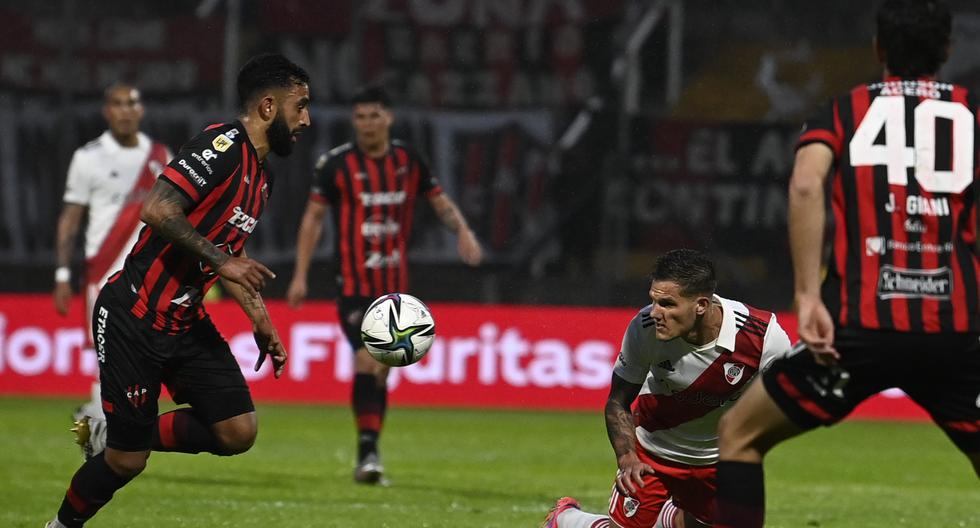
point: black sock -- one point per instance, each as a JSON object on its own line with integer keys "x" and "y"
{"x": 182, "y": 431}
{"x": 369, "y": 402}
{"x": 740, "y": 501}
{"x": 91, "y": 488}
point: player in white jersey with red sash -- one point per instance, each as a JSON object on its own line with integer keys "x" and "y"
{"x": 108, "y": 177}
{"x": 685, "y": 358}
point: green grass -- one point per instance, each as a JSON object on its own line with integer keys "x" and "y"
{"x": 457, "y": 468}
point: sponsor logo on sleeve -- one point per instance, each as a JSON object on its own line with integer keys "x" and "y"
{"x": 192, "y": 173}
{"x": 905, "y": 283}
{"x": 221, "y": 143}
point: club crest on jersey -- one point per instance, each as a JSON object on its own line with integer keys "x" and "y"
{"x": 221, "y": 143}
{"x": 630, "y": 506}
{"x": 733, "y": 372}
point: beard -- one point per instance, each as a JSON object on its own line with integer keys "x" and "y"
{"x": 279, "y": 136}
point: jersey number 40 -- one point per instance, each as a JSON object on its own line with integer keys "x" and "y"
{"x": 888, "y": 113}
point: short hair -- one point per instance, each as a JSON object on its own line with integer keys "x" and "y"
{"x": 371, "y": 94}
{"x": 118, "y": 85}
{"x": 268, "y": 70}
{"x": 690, "y": 269}
{"x": 914, "y": 35}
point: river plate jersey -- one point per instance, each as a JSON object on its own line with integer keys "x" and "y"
{"x": 686, "y": 388}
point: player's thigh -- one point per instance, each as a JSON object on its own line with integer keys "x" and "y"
{"x": 350, "y": 312}
{"x": 130, "y": 358}
{"x": 753, "y": 426}
{"x": 206, "y": 375}
{"x": 641, "y": 509}
{"x": 944, "y": 378}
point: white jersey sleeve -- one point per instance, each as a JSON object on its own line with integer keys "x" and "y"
{"x": 633, "y": 363}
{"x": 78, "y": 187}
{"x": 775, "y": 345}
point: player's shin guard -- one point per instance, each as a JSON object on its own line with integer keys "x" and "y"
{"x": 183, "y": 432}
{"x": 91, "y": 488}
{"x": 369, "y": 402}
{"x": 740, "y": 501}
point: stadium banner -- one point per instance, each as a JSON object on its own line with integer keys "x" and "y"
{"x": 720, "y": 187}
{"x": 493, "y": 356}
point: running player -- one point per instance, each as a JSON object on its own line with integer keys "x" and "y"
{"x": 150, "y": 324}
{"x": 898, "y": 307}
{"x": 372, "y": 185}
{"x": 685, "y": 358}
{"x": 107, "y": 179}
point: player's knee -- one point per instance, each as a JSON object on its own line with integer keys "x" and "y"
{"x": 236, "y": 437}
{"x": 126, "y": 464}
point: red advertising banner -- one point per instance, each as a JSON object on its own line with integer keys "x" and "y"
{"x": 534, "y": 357}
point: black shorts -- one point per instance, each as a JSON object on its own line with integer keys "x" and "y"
{"x": 940, "y": 372}
{"x": 351, "y": 310}
{"x": 134, "y": 360}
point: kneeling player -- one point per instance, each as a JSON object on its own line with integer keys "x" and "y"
{"x": 685, "y": 358}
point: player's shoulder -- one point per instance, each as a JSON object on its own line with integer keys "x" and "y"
{"x": 403, "y": 146}
{"x": 333, "y": 156}
{"x": 93, "y": 147}
{"x": 642, "y": 322}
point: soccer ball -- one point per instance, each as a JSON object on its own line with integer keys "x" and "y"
{"x": 398, "y": 329}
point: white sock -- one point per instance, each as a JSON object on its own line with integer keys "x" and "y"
{"x": 667, "y": 514}
{"x": 96, "y": 406}
{"x": 576, "y": 518}
{"x": 54, "y": 523}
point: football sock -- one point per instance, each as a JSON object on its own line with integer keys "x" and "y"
{"x": 91, "y": 488}
{"x": 183, "y": 432}
{"x": 576, "y": 518}
{"x": 369, "y": 402}
{"x": 667, "y": 515}
{"x": 740, "y": 501}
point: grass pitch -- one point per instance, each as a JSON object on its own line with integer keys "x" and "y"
{"x": 460, "y": 468}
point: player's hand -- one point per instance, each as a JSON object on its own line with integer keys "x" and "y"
{"x": 250, "y": 274}
{"x": 630, "y": 474}
{"x": 469, "y": 248}
{"x": 816, "y": 328}
{"x": 62, "y": 297}
{"x": 296, "y": 293}
{"x": 267, "y": 339}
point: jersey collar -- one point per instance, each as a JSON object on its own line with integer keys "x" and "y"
{"x": 111, "y": 145}
{"x": 726, "y": 336}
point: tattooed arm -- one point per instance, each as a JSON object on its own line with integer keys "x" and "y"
{"x": 165, "y": 209}
{"x": 450, "y": 216}
{"x": 622, "y": 435}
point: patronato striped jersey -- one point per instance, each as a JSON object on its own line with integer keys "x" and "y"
{"x": 372, "y": 201}
{"x": 686, "y": 388}
{"x": 904, "y": 204}
{"x": 219, "y": 172}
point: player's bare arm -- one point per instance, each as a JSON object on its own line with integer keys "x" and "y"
{"x": 266, "y": 335}
{"x": 306, "y": 239}
{"x": 164, "y": 211}
{"x": 68, "y": 224}
{"x": 622, "y": 435}
{"x": 806, "y": 230}
{"x": 450, "y": 216}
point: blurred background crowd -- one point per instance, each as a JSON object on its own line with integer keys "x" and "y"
{"x": 581, "y": 138}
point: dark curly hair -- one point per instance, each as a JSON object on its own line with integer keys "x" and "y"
{"x": 268, "y": 70}
{"x": 914, "y": 35}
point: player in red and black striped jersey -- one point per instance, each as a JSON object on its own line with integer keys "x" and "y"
{"x": 371, "y": 186}
{"x": 150, "y": 326}
{"x": 898, "y": 307}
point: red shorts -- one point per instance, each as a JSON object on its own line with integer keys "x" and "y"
{"x": 692, "y": 489}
